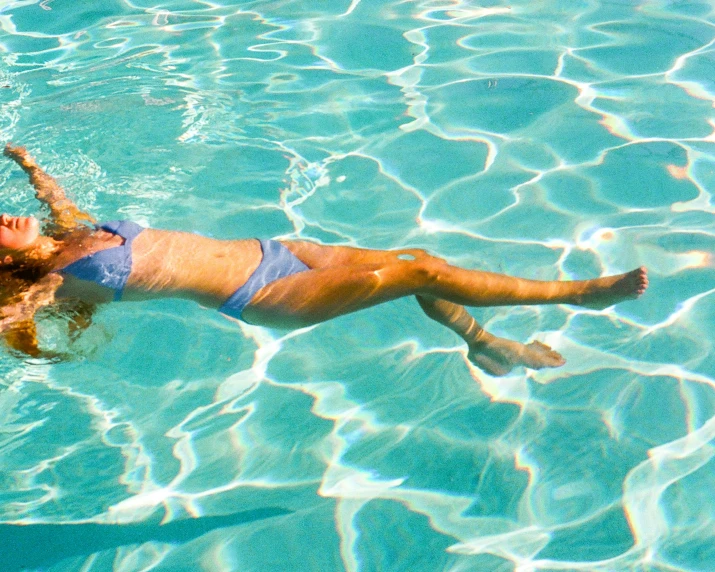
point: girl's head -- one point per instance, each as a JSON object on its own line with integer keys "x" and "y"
{"x": 18, "y": 232}
{"x": 24, "y": 256}
{"x": 22, "y": 247}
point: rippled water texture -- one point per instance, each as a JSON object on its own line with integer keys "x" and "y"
{"x": 545, "y": 139}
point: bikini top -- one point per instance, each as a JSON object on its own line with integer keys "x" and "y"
{"x": 110, "y": 267}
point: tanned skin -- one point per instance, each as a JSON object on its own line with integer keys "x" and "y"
{"x": 340, "y": 279}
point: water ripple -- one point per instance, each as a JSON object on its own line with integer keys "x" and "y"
{"x": 553, "y": 141}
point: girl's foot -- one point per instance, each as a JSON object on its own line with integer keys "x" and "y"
{"x": 498, "y": 356}
{"x": 603, "y": 292}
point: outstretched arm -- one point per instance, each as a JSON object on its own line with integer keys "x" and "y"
{"x": 64, "y": 213}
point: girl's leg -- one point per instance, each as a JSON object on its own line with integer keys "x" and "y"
{"x": 496, "y": 356}
{"x": 329, "y": 291}
{"x": 474, "y": 287}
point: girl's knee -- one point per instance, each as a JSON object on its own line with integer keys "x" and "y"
{"x": 420, "y": 254}
{"x": 427, "y": 270}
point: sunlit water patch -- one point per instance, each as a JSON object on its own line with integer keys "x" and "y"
{"x": 549, "y": 140}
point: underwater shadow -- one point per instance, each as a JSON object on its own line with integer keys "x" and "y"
{"x": 25, "y": 546}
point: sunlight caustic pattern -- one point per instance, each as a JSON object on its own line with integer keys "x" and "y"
{"x": 549, "y": 140}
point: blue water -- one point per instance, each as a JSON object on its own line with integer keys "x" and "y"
{"x": 543, "y": 139}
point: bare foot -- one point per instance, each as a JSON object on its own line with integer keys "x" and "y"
{"x": 603, "y": 292}
{"x": 498, "y": 356}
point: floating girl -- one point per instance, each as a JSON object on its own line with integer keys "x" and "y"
{"x": 272, "y": 283}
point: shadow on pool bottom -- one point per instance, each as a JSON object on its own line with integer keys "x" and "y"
{"x": 24, "y": 546}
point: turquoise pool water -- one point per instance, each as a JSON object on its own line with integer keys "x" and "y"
{"x": 545, "y": 139}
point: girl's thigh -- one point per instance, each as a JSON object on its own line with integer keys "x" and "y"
{"x": 316, "y": 255}
{"x": 320, "y": 294}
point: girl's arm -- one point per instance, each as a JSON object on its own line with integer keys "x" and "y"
{"x": 17, "y": 324}
{"x": 22, "y": 336}
{"x": 64, "y": 213}
{"x": 20, "y": 333}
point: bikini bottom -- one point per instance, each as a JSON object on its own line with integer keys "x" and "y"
{"x": 277, "y": 262}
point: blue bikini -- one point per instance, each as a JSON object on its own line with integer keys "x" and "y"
{"x": 277, "y": 262}
{"x": 111, "y": 267}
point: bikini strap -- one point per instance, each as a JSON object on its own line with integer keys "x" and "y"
{"x": 127, "y": 229}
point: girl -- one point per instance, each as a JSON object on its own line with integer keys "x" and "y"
{"x": 284, "y": 284}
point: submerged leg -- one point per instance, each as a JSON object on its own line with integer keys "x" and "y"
{"x": 496, "y": 356}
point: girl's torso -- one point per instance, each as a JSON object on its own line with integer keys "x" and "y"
{"x": 161, "y": 263}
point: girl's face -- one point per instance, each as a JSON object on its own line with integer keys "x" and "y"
{"x": 18, "y": 232}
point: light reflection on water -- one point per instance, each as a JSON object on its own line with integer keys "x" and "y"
{"x": 557, "y": 141}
